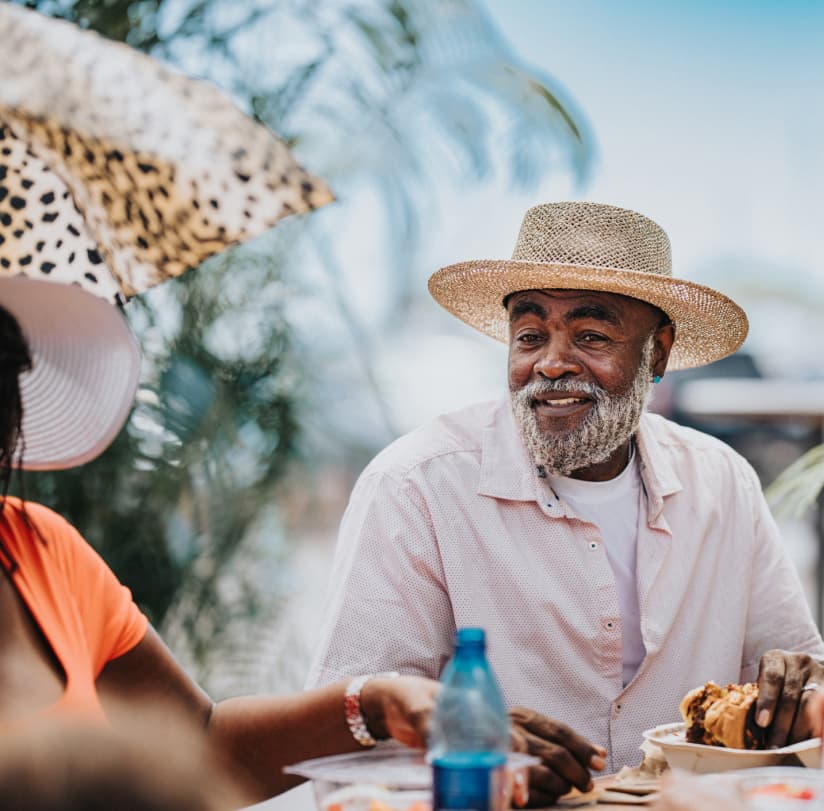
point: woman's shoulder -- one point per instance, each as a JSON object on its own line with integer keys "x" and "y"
{"x": 27, "y": 518}
{"x": 17, "y": 510}
{"x": 40, "y": 539}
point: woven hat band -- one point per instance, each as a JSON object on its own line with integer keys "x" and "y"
{"x": 594, "y": 236}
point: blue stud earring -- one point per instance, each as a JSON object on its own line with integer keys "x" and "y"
{"x": 656, "y": 378}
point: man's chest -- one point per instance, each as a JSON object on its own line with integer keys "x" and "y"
{"x": 532, "y": 564}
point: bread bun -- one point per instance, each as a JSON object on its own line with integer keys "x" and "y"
{"x": 726, "y": 719}
{"x": 719, "y": 716}
{"x": 694, "y": 707}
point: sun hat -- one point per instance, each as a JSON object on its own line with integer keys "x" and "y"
{"x": 592, "y": 246}
{"x": 85, "y": 369}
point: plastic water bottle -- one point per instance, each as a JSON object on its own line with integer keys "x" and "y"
{"x": 469, "y": 740}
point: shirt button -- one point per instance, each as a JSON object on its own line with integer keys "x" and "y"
{"x": 593, "y": 545}
{"x": 609, "y": 625}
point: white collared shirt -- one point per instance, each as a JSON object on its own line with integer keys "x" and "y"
{"x": 450, "y": 526}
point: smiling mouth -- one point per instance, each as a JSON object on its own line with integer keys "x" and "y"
{"x": 560, "y": 402}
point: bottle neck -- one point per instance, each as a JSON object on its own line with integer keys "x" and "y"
{"x": 470, "y": 650}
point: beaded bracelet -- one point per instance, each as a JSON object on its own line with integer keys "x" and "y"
{"x": 352, "y": 707}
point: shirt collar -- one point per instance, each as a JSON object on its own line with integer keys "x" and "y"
{"x": 658, "y": 473}
{"x": 508, "y": 473}
{"x": 506, "y": 469}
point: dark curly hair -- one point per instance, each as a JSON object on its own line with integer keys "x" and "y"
{"x": 15, "y": 359}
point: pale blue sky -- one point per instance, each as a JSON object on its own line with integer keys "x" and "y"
{"x": 709, "y": 116}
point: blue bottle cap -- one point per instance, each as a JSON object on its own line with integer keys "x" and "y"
{"x": 470, "y": 636}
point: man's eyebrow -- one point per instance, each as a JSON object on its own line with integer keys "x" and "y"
{"x": 526, "y": 307}
{"x": 597, "y": 312}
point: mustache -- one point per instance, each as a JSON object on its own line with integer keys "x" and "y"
{"x": 536, "y": 388}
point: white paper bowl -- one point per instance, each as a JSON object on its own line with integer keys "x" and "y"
{"x": 701, "y": 759}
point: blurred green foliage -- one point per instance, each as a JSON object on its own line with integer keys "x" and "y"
{"x": 208, "y": 438}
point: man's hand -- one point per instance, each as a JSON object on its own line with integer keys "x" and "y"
{"x": 815, "y": 713}
{"x": 566, "y": 757}
{"x": 780, "y": 707}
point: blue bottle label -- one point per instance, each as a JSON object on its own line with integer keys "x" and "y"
{"x": 468, "y": 788}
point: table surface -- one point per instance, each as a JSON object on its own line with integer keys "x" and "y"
{"x": 302, "y": 799}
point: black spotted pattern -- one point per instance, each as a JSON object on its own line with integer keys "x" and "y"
{"x": 45, "y": 235}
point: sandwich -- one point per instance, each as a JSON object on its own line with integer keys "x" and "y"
{"x": 722, "y": 716}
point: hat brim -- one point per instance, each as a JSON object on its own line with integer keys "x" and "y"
{"x": 708, "y": 324}
{"x": 85, "y": 370}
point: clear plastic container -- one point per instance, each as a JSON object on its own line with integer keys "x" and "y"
{"x": 387, "y": 778}
{"x": 782, "y": 788}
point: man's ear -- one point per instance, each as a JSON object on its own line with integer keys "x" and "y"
{"x": 664, "y": 338}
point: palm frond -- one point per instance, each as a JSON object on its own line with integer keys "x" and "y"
{"x": 798, "y": 487}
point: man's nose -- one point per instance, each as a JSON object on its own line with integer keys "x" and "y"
{"x": 556, "y": 362}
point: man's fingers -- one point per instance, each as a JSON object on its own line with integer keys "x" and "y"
{"x": 770, "y": 686}
{"x": 560, "y": 762}
{"x": 540, "y": 799}
{"x": 588, "y": 754}
{"x": 566, "y": 757}
{"x": 815, "y": 713}
{"x": 783, "y": 718}
{"x": 545, "y": 786}
{"x": 804, "y": 726}
{"x": 796, "y": 673}
{"x": 781, "y": 707}
{"x": 517, "y": 739}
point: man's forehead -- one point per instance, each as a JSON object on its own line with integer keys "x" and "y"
{"x": 613, "y": 306}
{"x": 600, "y": 296}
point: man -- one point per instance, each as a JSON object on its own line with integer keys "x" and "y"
{"x": 616, "y": 560}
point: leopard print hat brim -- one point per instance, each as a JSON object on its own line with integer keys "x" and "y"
{"x": 116, "y": 172}
{"x": 85, "y": 370}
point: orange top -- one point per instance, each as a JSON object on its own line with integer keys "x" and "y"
{"x": 86, "y": 615}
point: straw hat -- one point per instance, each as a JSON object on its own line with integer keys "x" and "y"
{"x": 591, "y": 246}
{"x": 85, "y": 368}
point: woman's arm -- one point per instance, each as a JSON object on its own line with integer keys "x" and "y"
{"x": 258, "y": 736}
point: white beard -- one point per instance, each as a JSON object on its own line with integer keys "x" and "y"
{"x": 611, "y": 421}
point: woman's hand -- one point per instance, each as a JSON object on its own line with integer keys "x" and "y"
{"x": 400, "y": 708}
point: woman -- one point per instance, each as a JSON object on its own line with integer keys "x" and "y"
{"x": 73, "y": 643}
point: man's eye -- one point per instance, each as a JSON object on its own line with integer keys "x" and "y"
{"x": 592, "y": 337}
{"x": 529, "y": 338}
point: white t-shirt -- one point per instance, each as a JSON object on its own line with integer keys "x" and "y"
{"x": 614, "y": 507}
